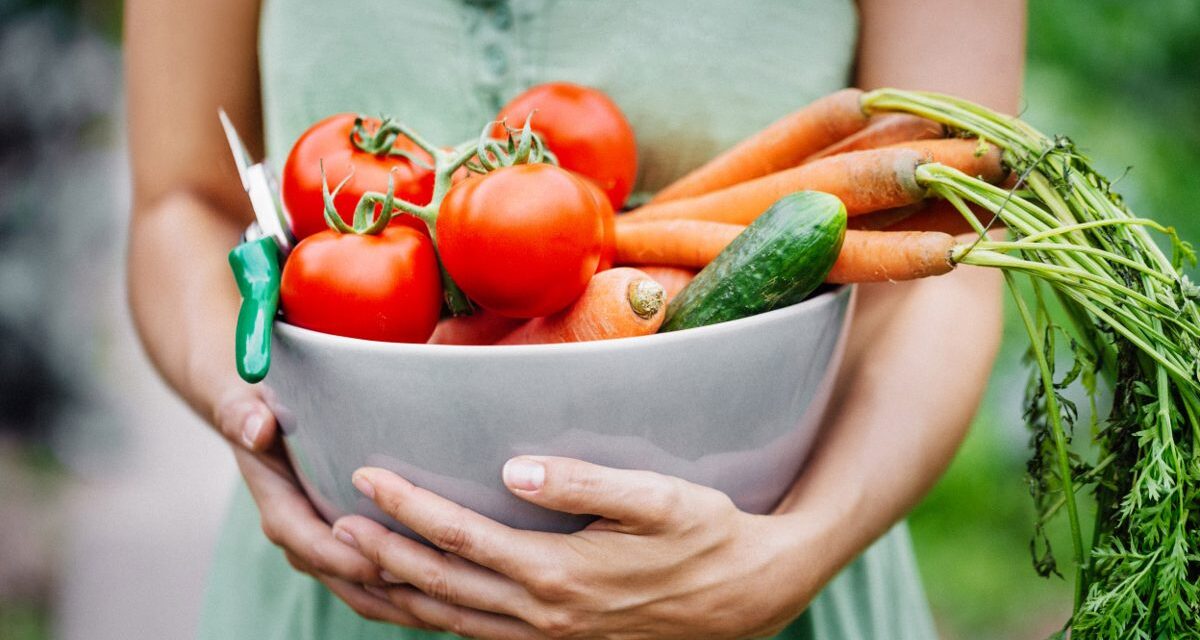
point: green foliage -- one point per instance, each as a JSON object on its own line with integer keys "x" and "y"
{"x": 1121, "y": 78}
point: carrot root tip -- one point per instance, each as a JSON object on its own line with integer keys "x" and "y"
{"x": 646, "y": 297}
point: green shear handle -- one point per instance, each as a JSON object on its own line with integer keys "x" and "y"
{"x": 256, "y": 270}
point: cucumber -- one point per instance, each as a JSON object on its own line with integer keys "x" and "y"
{"x": 777, "y": 261}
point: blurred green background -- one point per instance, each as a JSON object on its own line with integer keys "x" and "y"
{"x": 1119, "y": 77}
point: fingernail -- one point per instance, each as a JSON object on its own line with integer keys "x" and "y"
{"x": 345, "y": 538}
{"x": 386, "y": 576}
{"x": 254, "y": 424}
{"x": 363, "y": 485}
{"x": 524, "y": 474}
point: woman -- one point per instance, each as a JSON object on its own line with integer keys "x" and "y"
{"x": 693, "y": 78}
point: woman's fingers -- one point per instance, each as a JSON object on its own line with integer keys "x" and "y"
{"x": 462, "y": 621}
{"x": 636, "y": 499}
{"x": 297, "y": 562}
{"x": 514, "y": 553}
{"x": 244, "y": 418}
{"x": 442, "y": 576}
{"x": 379, "y": 608}
{"x": 288, "y": 520}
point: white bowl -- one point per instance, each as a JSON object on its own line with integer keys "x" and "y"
{"x": 733, "y": 406}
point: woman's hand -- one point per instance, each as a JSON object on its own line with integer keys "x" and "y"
{"x": 668, "y": 559}
{"x": 288, "y": 518}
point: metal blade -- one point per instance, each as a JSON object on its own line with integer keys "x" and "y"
{"x": 268, "y": 211}
{"x": 262, "y": 187}
{"x": 241, "y": 157}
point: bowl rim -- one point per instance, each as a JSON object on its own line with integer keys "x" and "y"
{"x": 300, "y": 334}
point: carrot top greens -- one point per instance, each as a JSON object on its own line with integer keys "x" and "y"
{"x": 1132, "y": 320}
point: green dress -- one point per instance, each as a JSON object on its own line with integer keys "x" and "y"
{"x": 692, "y": 76}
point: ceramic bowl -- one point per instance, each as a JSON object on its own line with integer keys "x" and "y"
{"x": 733, "y": 406}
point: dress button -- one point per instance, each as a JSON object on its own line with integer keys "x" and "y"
{"x": 497, "y": 60}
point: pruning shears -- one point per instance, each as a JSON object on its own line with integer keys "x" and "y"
{"x": 256, "y": 260}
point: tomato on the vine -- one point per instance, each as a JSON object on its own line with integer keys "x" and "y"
{"x": 522, "y": 241}
{"x": 586, "y": 131}
{"x": 375, "y": 287}
{"x": 328, "y": 142}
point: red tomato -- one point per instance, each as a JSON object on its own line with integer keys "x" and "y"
{"x": 609, "y": 253}
{"x": 522, "y": 241}
{"x": 329, "y": 141}
{"x": 375, "y": 287}
{"x": 585, "y": 129}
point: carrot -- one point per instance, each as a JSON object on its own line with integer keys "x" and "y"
{"x": 865, "y": 181}
{"x": 884, "y": 129}
{"x": 882, "y": 256}
{"x": 672, "y": 279}
{"x": 679, "y": 243}
{"x": 618, "y": 303}
{"x": 483, "y": 327}
{"x": 783, "y": 144}
{"x": 866, "y": 256}
{"x": 887, "y": 218}
{"x": 930, "y": 215}
{"x": 969, "y": 156}
{"x": 940, "y": 215}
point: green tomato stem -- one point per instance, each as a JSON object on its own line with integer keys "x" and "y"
{"x": 487, "y": 152}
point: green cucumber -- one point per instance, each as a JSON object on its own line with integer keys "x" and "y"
{"x": 777, "y": 261}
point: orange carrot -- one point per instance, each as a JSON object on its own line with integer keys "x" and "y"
{"x": 482, "y": 327}
{"x": 887, "y": 218}
{"x": 618, "y": 303}
{"x": 865, "y": 181}
{"x": 866, "y": 256}
{"x": 882, "y": 256}
{"x": 884, "y": 129}
{"x": 967, "y": 155}
{"x": 940, "y": 215}
{"x": 672, "y": 279}
{"x": 679, "y": 243}
{"x": 783, "y": 144}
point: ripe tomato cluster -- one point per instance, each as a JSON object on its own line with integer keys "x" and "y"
{"x": 516, "y": 236}
{"x": 326, "y": 146}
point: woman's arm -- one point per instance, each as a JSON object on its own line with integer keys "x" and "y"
{"x": 920, "y": 352}
{"x": 184, "y": 60}
{"x": 671, "y": 559}
{"x": 975, "y": 50}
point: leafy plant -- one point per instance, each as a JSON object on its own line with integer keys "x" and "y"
{"x": 1132, "y": 318}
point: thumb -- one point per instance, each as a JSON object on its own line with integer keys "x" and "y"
{"x": 635, "y": 498}
{"x": 244, "y": 419}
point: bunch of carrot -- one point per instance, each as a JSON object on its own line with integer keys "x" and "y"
{"x": 897, "y": 232}
{"x": 869, "y": 162}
